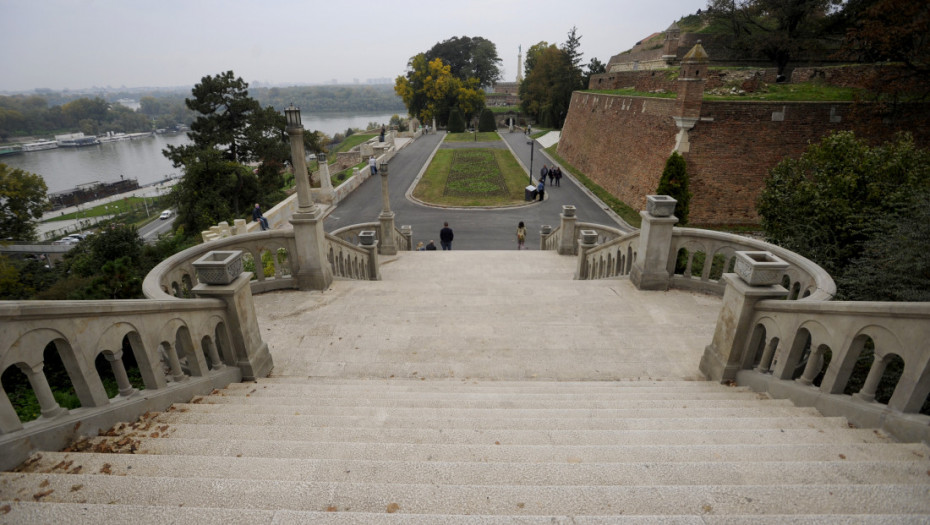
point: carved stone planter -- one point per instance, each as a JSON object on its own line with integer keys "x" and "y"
{"x": 219, "y": 267}
{"x": 545, "y": 229}
{"x": 760, "y": 268}
{"x": 367, "y": 238}
{"x": 568, "y": 210}
{"x": 660, "y": 205}
{"x": 589, "y": 236}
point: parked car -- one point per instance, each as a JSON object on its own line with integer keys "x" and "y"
{"x": 165, "y": 215}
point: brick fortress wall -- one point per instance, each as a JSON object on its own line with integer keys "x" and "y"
{"x": 622, "y": 144}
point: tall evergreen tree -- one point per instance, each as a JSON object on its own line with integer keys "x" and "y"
{"x": 674, "y": 183}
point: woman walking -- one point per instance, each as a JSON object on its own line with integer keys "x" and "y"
{"x": 521, "y": 236}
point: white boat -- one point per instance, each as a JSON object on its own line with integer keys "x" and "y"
{"x": 74, "y": 140}
{"x": 40, "y": 145}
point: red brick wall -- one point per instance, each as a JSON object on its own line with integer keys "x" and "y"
{"x": 732, "y": 148}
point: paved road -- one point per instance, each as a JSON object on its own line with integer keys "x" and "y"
{"x": 475, "y": 229}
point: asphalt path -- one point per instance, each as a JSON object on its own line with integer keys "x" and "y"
{"x": 475, "y": 229}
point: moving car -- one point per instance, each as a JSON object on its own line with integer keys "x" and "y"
{"x": 165, "y": 215}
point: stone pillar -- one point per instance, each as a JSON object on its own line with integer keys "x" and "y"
{"x": 690, "y": 94}
{"x": 367, "y": 240}
{"x": 313, "y": 273}
{"x": 177, "y": 373}
{"x": 407, "y": 231}
{"x": 587, "y": 242}
{"x": 326, "y": 181}
{"x": 251, "y": 352}
{"x": 48, "y": 406}
{"x": 544, "y": 231}
{"x": 867, "y": 393}
{"x": 650, "y": 270}
{"x": 9, "y": 419}
{"x": 814, "y": 362}
{"x": 567, "y": 242}
{"x": 723, "y": 358}
{"x": 388, "y": 246}
{"x": 119, "y": 372}
{"x": 434, "y": 124}
{"x": 766, "y": 362}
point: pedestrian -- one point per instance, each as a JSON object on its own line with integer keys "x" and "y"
{"x": 431, "y": 246}
{"x": 558, "y": 176}
{"x": 259, "y": 218}
{"x": 445, "y": 236}
{"x": 420, "y": 246}
{"x": 543, "y": 172}
{"x": 382, "y": 134}
{"x": 373, "y": 165}
{"x": 552, "y": 176}
{"x": 541, "y": 188}
{"x": 521, "y": 236}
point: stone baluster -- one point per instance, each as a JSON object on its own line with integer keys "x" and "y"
{"x": 9, "y": 419}
{"x": 812, "y": 368}
{"x": 119, "y": 372}
{"x": 174, "y": 363}
{"x": 215, "y": 361}
{"x": 407, "y": 231}
{"x": 872, "y": 380}
{"x": 544, "y": 231}
{"x": 49, "y": 407}
{"x": 767, "y": 355}
{"x": 587, "y": 242}
{"x": 568, "y": 218}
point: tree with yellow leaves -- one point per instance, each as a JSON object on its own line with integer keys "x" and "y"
{"x": 431, "y": 90}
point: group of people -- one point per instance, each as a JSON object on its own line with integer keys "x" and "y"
{"x": 554, "y": 173}
{"x": 445, "y": 240}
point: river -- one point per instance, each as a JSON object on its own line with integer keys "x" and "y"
{"x": 141, "y": 159}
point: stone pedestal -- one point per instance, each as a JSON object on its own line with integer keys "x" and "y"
{"x": 252, "y": 355}
{"x": 587, "y": 242}
{"x": 723, "y": 357}
{"x": 388, "y": 246}
{"x": 370, "y": 244}
{"x": 650, "y": 271}
{"x": 567, "y": 243}
{"x": 313, "y": 269}
{"x": 326, "y": 183}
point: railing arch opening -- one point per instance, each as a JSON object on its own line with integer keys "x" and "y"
{"x": 852, "y": 374}
{"x": 28, "y": 385}
{"x": 282, "y": 266}
{"x": 248, "y": 265}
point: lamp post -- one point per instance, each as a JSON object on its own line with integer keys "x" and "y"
{"x": 387, "y": 246}
{"x": 313, "y": 271}
{"x": 531, "y": 159}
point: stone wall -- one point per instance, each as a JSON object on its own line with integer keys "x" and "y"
{"x": 666, "y": 80}
{"x": 622, "y": 144}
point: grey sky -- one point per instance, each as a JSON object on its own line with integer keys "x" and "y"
{"x": 82, "y": 43}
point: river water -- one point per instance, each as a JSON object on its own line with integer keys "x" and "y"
{"x": 142, "y": 159}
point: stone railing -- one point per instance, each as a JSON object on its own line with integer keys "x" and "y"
{"x": 613, "y": 258}
{"x": 807, "y": 351}
{"x": 707, "y": 255}
{"x": 176, "y": 276}
{"x": 351, "y": 261}
{"x": 403, "y": 237}
{"x": 549, "y": 239}
{"x": 181, "y": 348}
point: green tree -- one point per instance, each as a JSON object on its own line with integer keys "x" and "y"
{"x": 532, "y": 55}
{"x": 456, "y": 122}
{"x": 546, "y": 91}
{"x": 23, "y": 199}
{"x": 469, "y": 57}
{"x": 430, "y": 90}
{"x": 674, "y": 183}
{"x": 595, "y": 67}
{"x": 487, "y": 122}
{"x": 840, "y": 197}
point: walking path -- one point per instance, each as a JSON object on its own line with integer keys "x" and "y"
{"x": 475, "y": 229}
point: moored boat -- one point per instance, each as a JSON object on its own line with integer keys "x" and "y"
{"x": 40, "y": 145}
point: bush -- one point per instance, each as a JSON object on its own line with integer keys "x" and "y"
{"x": 486, "y": 122}
{"x": 456, "y": 122}
{"x": 674, "y": 183}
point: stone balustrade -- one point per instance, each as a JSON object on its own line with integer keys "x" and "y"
{"x": 402, "y": 237}
{"x": 613, "y": 258}
{"x": 353, "y": 261}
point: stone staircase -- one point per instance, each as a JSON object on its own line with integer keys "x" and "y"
{"x": 379, "y": 411}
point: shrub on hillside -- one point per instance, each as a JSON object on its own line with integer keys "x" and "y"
{"x": 674, "y": 183}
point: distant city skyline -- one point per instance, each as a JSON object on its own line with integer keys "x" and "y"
{"x": 77, "y": 45}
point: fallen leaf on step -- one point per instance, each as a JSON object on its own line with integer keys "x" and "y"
{"x": 39, "y": 495}
{"x": 75, "y": 488}
{"x": 331, "y": 508}
{"x": 842, "y": 456}
{"x": 44, "y": 484}
{"x": 392, "y": 508}
{"x": 105, "y": 469}
{"x": 5, "y": 509}
{"x": 521, "y": 505}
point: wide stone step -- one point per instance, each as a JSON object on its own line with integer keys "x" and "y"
{"x": 32, "y": 513}
{"x": 706, "y": 419}
{"x": 460, "y": 386}
{"x": 851, "y": 452}
{"x": 837, "y": 471}
{"x": 505, "y": 436}
{"x": 512, "y": 500}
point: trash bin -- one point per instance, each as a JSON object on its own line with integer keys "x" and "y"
{"x": 529, "y": 193}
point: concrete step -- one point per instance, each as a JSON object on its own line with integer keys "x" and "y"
{"x": 505, "y": 436}
{"x": 669, "y": 420}
{"x": 469, "y": 498}
{"x": 462, "y": 386}
{"x": 851, "y": 452}
{"x": 32, "y": 513}
{"x": 631, "y": 473}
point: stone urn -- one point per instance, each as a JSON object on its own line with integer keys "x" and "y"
{"x": 219, "y": 267}
{"x": 545, "y": 229}
{"x": 589, "y": 236}
{"x": 760, "y": 268}
{"x": 367, "y": 238}
{"x": 568, "y": 210}
{"x": 660, "y": 205}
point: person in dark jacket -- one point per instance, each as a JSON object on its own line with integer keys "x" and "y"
{"x": 445, "y": 236}
{"x": 259, "y": 218}
{"x": 431, "y": 247}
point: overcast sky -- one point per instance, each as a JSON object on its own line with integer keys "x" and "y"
{"x": 77, "y": 44}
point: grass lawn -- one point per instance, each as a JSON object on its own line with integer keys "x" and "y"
{"x": 619, "y": 207}
{"x": 342, "y": 176}
{"x": 472, "y": 177}
{"x": 350, "y": 142}
{"x": 113, "y": 208}
{"x": 486, "y": 136}
{"x": 800, "y": 92}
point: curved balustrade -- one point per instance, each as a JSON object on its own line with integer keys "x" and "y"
{"x": 807, "y": 351}
{"x": 347, "y": 260}
{"x": 551, "y": 240}
{"x": 175, "y": 276}
{"x": 180, "y": 347}
{"x": 351, "y": 233}
{"x": 605, "y": 234}
{"x": 614, "y": 258}
{"x": 714, "y": 254}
